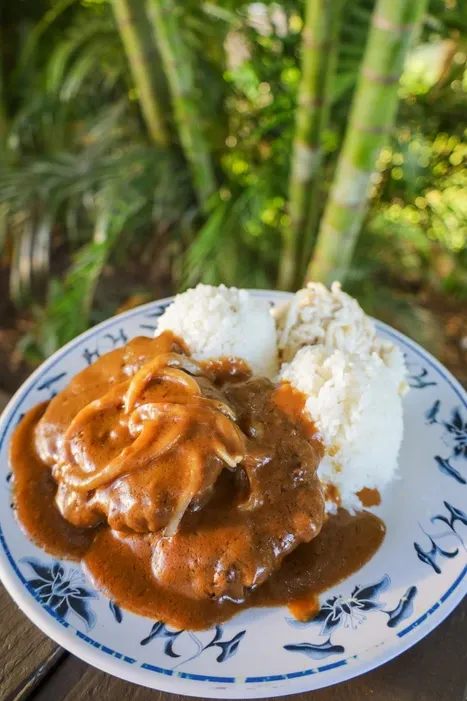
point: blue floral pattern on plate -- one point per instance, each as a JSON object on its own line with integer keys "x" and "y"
{"x": 116, "y": 611}
{"x": 430, "y": 556}
{"x": 358, "y": 626}
{"x": 455, "y": 438}
{"x": 350, "y": 612}
{"x": 65, "y": 593}
{"x": 418, "y": 377}
{"x": 109, "y": 341}
{"x": 150, "y": 319}
{"x": 228, "y": 648}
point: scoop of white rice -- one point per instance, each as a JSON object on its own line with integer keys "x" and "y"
{"x": 353, "y": 380}
{"x": 317, "y": 315}
{"x": 355, "y": 402}
{"x": 221, "y": 321}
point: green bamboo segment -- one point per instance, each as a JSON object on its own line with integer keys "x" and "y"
{"x": 141, "y": 52}
{"x": 371, "y": 119}
{"x": 3, "y": 115}
{"x": 165, "y": 15}
{"x": 319, "y": 58}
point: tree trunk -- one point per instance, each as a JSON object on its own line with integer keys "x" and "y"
{"x": 371, "y": 120}
{"x": 165, "y": 15}
{"x": 141, "y": 51}
{"x": 319, "y": 53}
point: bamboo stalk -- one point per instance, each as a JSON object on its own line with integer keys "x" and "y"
{"x": 3, "y": 111}
{"x": 371, "y": 120}
{"x": 165, "y": 15}
{"x": 141, "y": 51}
{"x": 319, "y": 57}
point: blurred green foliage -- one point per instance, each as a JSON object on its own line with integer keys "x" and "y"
{"x": 81, "y": 182}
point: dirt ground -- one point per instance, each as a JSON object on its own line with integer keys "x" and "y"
{"x": 449, "y": 314}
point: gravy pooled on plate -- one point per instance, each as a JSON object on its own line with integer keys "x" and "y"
{"x": 188, "y": 491}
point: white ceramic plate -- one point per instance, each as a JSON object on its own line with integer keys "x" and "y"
{"x": 413, "y": 582}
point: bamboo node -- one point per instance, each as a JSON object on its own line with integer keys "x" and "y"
{"x": 375, "y": 77}
{"x": 375, "y": 131}
{"x": 309, "y": 41}
{"x": 350, "y": 191}
{"x": 305, "y": 101}
{"x": 307, "y": 160}
{"x": 382, "y": 23}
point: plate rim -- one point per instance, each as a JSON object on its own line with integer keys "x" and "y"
{"x": 181, "y": 683}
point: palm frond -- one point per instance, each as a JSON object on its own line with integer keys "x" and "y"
{"x": 69, "y": 303}
{"x": 41, "y": 27}
{"x": 250, "y": 220}
{"x": 96, "y": 36}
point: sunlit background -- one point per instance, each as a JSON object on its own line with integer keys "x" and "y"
{"x": 126, "y": 177}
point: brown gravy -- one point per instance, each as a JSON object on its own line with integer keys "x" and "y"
{"x": 279, "y": 568}
{"x": 369, "y": 497}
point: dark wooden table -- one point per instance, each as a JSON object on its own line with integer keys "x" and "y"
{"x": 33, "y": 667}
